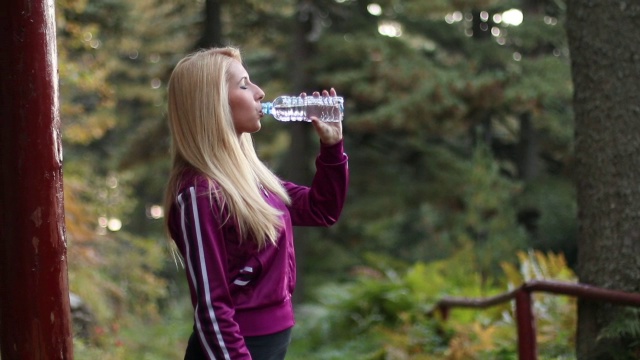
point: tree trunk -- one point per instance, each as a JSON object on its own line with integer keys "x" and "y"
{"x": 212, "y": 30}
{"x": 527, "y": 150}
{"x": 298, "y": 165}
{"x": 34, "y": 291}
{"x": 605, "y": 55}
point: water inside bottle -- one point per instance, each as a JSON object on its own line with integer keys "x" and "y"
{"x": 288, "y": 112}
{"x": 299, "y": 109}
{"x": 324, "y": 112}
{"x": 325, "y": 108}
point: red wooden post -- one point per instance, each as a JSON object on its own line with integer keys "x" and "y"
{"x": 527, "y": 346}
{"x": 34, "y": 291}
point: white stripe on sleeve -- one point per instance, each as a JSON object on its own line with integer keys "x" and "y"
{"x": 205, "y": 278}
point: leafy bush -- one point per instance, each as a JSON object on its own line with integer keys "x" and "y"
{"x": 384, "y": 313}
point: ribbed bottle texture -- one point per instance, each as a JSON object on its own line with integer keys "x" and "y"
{"x": 296, "y": 108}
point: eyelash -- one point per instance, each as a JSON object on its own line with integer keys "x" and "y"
{"x": 245, "y": 85}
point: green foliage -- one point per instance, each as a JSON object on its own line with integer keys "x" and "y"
{"x": 624, "y": 326}
{"x": 627, "y": 324}
{"x": 107, "y": 73}
{"x": 384, "y": 312}
{"x": 157, "y": 339}
{"x": 83, "y": 351}
{"x": 553, "y": 200}
{"x": 432, "y": 127}
{"x": 427, "y": 115}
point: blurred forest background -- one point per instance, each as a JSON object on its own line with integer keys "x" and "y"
{"x": 459, "y": 129}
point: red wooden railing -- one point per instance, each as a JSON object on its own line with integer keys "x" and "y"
{"x": 527, "y": 347}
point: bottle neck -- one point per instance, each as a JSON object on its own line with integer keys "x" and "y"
{"x": 267, "y": 107}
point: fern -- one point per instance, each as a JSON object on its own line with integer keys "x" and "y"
{"x": 625, "y": 325}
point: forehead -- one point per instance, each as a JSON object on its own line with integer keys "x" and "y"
{"x": 237, "y": 71}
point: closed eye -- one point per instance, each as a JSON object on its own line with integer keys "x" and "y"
{"x": 244, "y": 83}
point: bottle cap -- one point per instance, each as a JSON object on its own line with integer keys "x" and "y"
{"x": 266, "y": 108}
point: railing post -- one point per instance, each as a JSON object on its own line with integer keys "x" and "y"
{"x": 34, "y": 291}
{"x": 527, "y": 346}
{"x": 526, "y": 324}
{"x": 444, "y": 312}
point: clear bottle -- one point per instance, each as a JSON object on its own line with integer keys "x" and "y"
{"x": 296, "y": 108}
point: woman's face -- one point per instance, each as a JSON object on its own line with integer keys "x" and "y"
{"x": 244, "y": 100}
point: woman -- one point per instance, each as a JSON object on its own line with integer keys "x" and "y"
{"x": 231, "y": 217}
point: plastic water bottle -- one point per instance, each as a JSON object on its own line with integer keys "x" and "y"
{"x": 296, "y": 108}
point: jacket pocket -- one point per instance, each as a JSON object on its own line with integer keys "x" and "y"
{"x": 248, "y": 273}
{"x": 243, "y": 285}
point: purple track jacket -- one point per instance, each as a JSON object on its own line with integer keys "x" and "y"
{"x": 237, "y": 290}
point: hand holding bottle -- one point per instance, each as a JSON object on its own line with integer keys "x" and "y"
{"x": 329, "y": 132}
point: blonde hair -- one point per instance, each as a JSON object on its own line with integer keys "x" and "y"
{"x": 204, "y": 138}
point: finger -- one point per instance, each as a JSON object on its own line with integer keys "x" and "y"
{"x": 303, "y": 95}
{"x": 325, "y": 93}
{"x": 321, "y": 127}
{"x": 332, "y": 92}
{"x": 316, "y": 124}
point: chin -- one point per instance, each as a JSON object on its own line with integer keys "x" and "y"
{"x": 249, "y": 129}
{"x": 256, "y": 129}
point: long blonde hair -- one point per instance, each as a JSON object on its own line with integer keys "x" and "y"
{"x": 204, "y": 138}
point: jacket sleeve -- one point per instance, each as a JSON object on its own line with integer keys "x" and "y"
{"x": 203, "y": 247}
{"x": 322, "y": 203}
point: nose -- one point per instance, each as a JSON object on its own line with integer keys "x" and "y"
{"x": 259, "y": 94}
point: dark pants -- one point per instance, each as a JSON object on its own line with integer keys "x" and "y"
{"x": 267, "y": 347}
